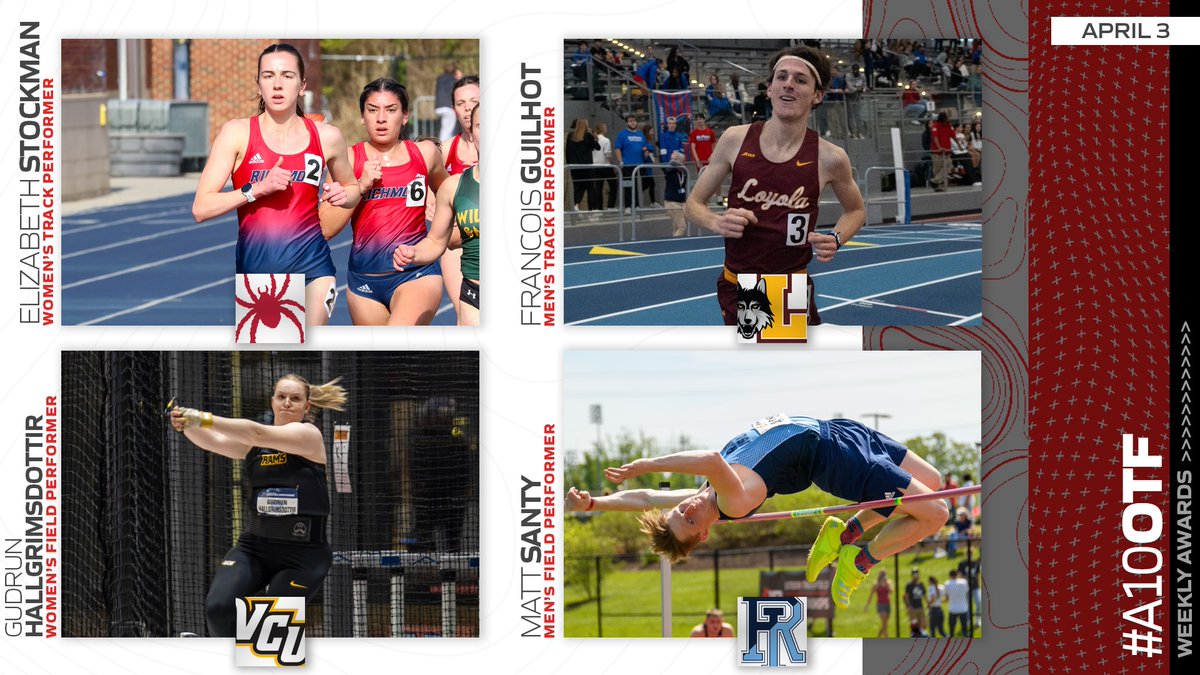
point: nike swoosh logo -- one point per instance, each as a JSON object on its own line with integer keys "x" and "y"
{"x": 296, "y": 585}
{"x": 799, "y": 164}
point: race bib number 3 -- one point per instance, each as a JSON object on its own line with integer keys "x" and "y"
{"x": 767, "y": 423}
{"x": 278, "y": 502}
{"x": 797, "y": 229}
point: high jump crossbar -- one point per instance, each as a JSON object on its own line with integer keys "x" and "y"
{"x": 879, "y": 503}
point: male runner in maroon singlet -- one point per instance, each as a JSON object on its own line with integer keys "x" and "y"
{"x": 779, "y": 168}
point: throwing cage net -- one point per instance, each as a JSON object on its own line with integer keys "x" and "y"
{"x": 148, "y": 515}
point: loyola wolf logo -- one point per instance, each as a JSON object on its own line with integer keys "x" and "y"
{"x": 270, "y": 632}
{"x": 753, "y": 310}
{"x": 772, "y": 632}
{"x": 772, "y": 307}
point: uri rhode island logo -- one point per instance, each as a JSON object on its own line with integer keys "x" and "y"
{"x": 772, "y": 632}
{"x": 772, "y": 308}
{"x": 270, "y": 632}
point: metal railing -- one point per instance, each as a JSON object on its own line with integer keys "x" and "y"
{"x": 425, "y": 121}
{"x": 605, "y": 83}
{"x": 604, "y": 174}
{"x": 632, "y": 184}
{"x": 902, "y": 199}
{"x": 638, "y": 208}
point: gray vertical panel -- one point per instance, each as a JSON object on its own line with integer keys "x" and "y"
{"x": 189, "y": 556}
{"x": 338, "y": 611}
{"x": 1002, "y": 338}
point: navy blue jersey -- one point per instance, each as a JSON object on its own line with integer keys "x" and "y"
{"x": 675, "y": 189}
{"x": 781, "y": 449}
{"x": 842, "y": 457}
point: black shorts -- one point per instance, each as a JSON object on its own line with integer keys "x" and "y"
{"x": 469, "y": 293}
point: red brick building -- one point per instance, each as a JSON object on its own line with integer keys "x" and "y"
{"x": 220, "y": 72}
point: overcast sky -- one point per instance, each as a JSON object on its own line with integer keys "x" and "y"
{"x": 712, "y": 396}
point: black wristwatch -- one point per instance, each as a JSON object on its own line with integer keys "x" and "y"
{"x": 838, "y": 238}
{"x": 246, "y": 192}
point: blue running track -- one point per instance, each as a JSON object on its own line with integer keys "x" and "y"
{"x": 151, "y": 264}
{"x": 889, "y": 275}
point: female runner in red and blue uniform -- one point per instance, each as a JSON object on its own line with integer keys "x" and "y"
{"x": 395, "y": 177}
{"x": 455, "y": 226}
{"x": 277, "y": 160}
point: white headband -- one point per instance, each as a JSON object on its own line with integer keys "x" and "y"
{"x": 811, "y": 67}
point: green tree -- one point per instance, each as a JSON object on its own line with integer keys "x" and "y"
{"x": 415, "y": 63}
{"x": 588, "y": 473}
{"x": 585, "y": 546}
{"x": 947, "y": 456}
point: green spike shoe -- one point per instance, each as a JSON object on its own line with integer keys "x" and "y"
{"x": 824, "y": 550}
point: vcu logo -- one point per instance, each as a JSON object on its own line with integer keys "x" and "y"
{"x": 270, "y": 632}
{"x": 772, "y": 632}
{"x": 772, "y": 307}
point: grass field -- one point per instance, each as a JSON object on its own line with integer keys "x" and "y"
{"x": 630, "y": 604}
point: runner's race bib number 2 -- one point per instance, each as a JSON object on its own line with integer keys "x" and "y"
{"x": 314, "y": 166}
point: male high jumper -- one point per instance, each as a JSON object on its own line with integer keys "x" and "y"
{"x": 785, "y": 454}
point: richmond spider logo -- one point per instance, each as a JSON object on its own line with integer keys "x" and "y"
{"x": 270, "y": 308}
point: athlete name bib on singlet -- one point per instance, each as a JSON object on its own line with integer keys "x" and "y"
{"x": 278, "y": 501}
{"x": 767, "y": 423}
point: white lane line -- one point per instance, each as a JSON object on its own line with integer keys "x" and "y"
{"x": 880, "y": 303}
{"x": 632, "y": 245}
{"x": 894, "y": 262}
{"x": 150, "y": 265}
{"x": 122, "y": 221}
{"x": 640, "y": 309}
{"x": 866, "y": 298}
{"x": 644, "y": 256}
{"x": 158, "y": 301}
{"x": 148, "y": 237}
{"x": 644, "y": 276}
{"x": 814, "y": 275}
{"x": 169, "y": 298}
{"x": 848, "y": 249}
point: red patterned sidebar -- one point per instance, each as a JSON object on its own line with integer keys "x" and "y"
{"x": 1099, "y": 309}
